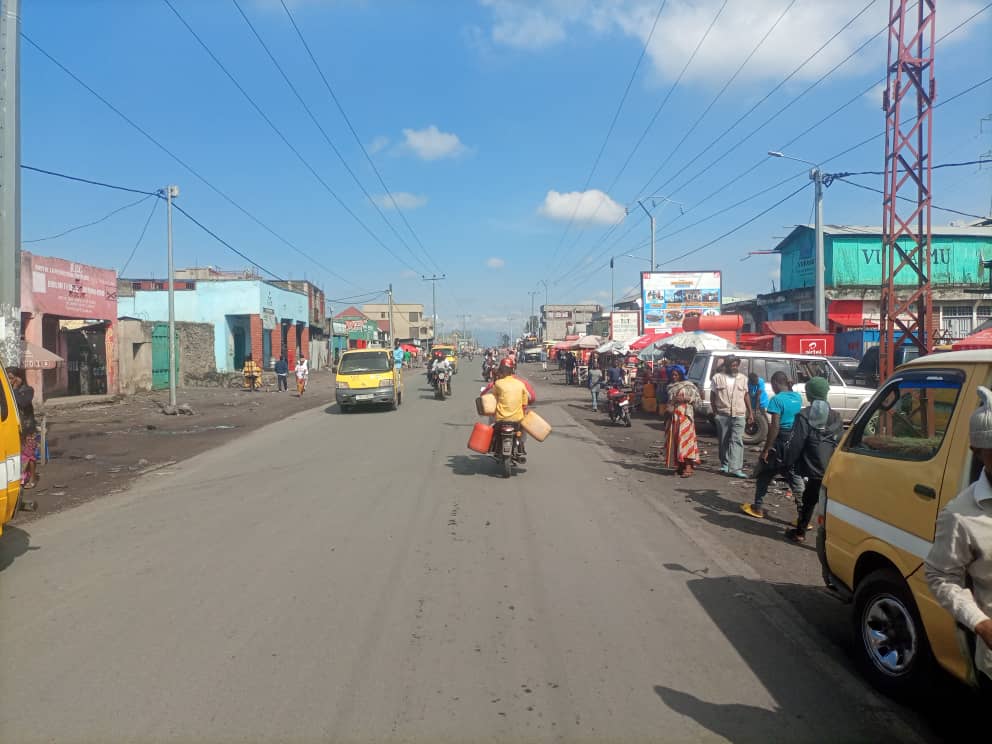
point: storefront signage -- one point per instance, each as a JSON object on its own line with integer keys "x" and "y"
{"x": 667, "y": 297}
{"x": 268, "y": 318}
{"x": 624, "y": 325}
{"x": 54, "y": 286}
{"x": 813, "y": 346}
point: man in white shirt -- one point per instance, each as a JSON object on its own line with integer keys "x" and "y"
{"x": 959, "y": 566}
{"x": 731, "y": 406}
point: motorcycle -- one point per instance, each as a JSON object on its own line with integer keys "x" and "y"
{"x": 619, "y": 406}
{"x": 506, "y": 446}
{"x": 488, "y": 372}
{"x": 442, "y": 384}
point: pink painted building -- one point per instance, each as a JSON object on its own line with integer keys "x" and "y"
{"x": 70, "y": 309}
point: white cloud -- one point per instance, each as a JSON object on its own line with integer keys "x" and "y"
{"x": 586, "y": 206}
{"x": 538, "y": 24}
{"x": 404, "y": 200}
{"x": 495, "y": 263}
{"x": 433, "y": 144}
{"x": 378, "y": 144}
{"x": 409, "y": 274}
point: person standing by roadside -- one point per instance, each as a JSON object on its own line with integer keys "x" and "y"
{"x": 24, "y": 399}
{"x": 302, "y": 375}
{"x": 783, "y": 407}
{"x": 815, "y": 436}
{"x": 959, "y": 565}
{"x": 732, "y": 409}
{"x": 282, "y": 374}
{"x": 595, "y": 383}
{"x": 681, "y": 447}
{"x": 569, "y": 368}
{"x": 252, "y": 374}
{"x": 757, "y": 393}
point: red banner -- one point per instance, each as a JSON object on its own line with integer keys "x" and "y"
{"x": 73, "y": 290}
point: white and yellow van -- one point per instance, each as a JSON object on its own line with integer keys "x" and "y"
{"x": 904, "y": 458}
{"x": 368, "y": 377}
{"x": 10, "y": 451}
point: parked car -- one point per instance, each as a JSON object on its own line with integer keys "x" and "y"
{"x": 847, "y": 367}
{"x": 844, "y": 398}
{"x": 867, "y": 372}
{"x": 904, "y": 458}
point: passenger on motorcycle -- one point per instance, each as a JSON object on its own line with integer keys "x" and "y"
{"x": 438, "y": 361}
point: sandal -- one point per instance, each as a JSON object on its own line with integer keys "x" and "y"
{"x": 795, "y": 535}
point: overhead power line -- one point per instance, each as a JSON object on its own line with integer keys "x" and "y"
{"x": 140, "y": 239}
{"x": 160, "y": 195}
{"x": 844, "y": 179}
{"x": 354, "y": 134}
{"x": 292, "y": 148}
{"x": 189, "y": 168}
{"x": 609, "y": 131}
{"x": 90, "y": 224}
{"x": 323, "y": 132}
{"x": 637, "y": 221}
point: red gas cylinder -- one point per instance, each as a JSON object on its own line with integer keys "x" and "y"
{"x": 713, "y": 323}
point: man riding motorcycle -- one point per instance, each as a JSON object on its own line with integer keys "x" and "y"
{"x": 513, "y": 395}
{"x": 438, "y": 362}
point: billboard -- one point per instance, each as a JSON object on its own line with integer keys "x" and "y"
{"x": 54, "y": 286}
{"x": 624, "y": 325}
{"x": 667, "y": 297}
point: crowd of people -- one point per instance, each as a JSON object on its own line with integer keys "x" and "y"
{"x": 252, "y": 373}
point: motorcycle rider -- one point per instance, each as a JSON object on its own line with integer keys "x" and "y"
{"x": 512, "y": 398}
{"x": 438, "y": 362}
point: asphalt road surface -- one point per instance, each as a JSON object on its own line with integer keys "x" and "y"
{"x": 364, "y": 577}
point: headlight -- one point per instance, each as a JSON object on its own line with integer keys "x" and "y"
{"x": 341, "y": 384}
{"x": 388, "y": 382}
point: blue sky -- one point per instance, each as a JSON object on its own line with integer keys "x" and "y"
{"x": 484, "y": 119}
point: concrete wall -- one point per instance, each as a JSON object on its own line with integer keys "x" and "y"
{"x": 196, "y": 359}
{"x": 213, "y": 303}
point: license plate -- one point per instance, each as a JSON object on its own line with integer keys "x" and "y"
{"x": 366, "y": 396}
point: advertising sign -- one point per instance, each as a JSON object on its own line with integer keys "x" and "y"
{"x": 624, "y": 325}
{"x": 73, "y": 290}
{"x": 813, "y": 346}
{"x": 667, "y": 297}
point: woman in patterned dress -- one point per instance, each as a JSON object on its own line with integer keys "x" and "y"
{"x": 681, "y": 449}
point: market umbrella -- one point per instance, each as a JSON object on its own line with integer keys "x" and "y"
{"x": 980, "y": 340}
{"x": 38, "y": 357}
{"x": 698, "y": 340}
{"x": 409, "y": 347}
{"x": 610, "y": 347}
{"x": 649, "y": 338}
{"x": 587, "y": 342}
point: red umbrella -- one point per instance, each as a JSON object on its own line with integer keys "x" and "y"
{"x": 980, "y": 340}
{"x": 649, "y": 338}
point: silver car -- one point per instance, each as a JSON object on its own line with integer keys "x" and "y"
{"x": 844, "y": 398}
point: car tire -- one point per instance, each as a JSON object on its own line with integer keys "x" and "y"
{"x": 891, "y": 646}
{"x": 757, "y": 432}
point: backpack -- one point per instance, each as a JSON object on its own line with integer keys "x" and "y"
{"x": 810, "y": 448}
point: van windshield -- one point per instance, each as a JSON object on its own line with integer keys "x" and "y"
{"x": 697, "y": 371}
{"x": 370, "y": 361}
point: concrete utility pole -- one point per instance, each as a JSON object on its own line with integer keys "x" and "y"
{"x": 650, "y": 217}
{"x": 434, "y": 279}
{"x": 532, "y": 318}
{"x": 10, "y": 183}
{"x": 546, "y": 294}
{"x": 171, "y": 192}
{"x": 464, "y": 318}
{"x": 389, "y": 293}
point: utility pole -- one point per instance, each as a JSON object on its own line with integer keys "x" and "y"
{"x": 613, "y": 300}
{"x": 819, "y": 292}
{"x": 545, "y": 283}
{"x": 389, "y": 294}
{"x": 532, "y": 319}
{"x": 171, "y": 192}
{"x": 464, "y": 318}
{"x": 434, "y": 279}
{"x": 10, "y": 184}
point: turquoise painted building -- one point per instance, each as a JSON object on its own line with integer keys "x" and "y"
{"x": 249, "y": 316}
{"x": 853, "y": 257}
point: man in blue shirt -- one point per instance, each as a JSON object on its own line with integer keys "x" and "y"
{"x": 282, "y": 373}
{"x": 756, "y": 390}
{"x": 782, "y": 408}
{"x": 614, "y": 375}
{"x": 399, "y": 356}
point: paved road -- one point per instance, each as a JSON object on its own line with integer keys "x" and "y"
{"x": 364, "y": 577}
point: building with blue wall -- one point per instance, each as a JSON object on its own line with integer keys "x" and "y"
{"x": 249, "y": 316}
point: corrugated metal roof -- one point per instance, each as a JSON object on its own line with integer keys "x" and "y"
{"x": 967, "y": 231}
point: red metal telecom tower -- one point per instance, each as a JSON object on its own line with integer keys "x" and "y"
{"x": 910, "y": 92}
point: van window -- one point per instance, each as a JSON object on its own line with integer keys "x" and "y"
{"x": 697, "y": 370}
{"x": 907, "y": 420}
{"x": 365, "y": 361}
{"x": 773, "y": 365}
{"x": 806, "y": 369}
{"x": 758, "y": 367}
{"x": 4, "y": 411}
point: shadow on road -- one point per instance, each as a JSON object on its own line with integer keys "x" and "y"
{"x": 717, "y": 509}
{"x": 739, "y": 608}
{"x": 478, "y": 465}
{"x": 335, "y": 410}
{"x": 14, "y": 543}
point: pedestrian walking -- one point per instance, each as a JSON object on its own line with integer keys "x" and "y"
{"x": 282, "y": 374}
{"x": 757, "y": 393}
{"x": 30, "y": 454}
{"x": 959, "y": 565}
{"x": 302, "y": 375}
{"x": 252, "y": 374}
{"x": 595, "y": 384}
{"x": 815, "y": 436}
{"x": 681, "y": 447}
{"x": 732, "y": 410}
{"x": 569, "y": 368}
{"x": 783, "y": 408}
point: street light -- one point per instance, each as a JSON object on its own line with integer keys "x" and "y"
{"x": 819, "y": 268}
{"x": 654, "y": 203}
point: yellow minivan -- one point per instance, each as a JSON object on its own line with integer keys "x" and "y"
{"x": 904, "y": 458}
{"x": 368, "y": 377}
{"x": 450, "y": 353}
{"x": 10, "y": 451}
